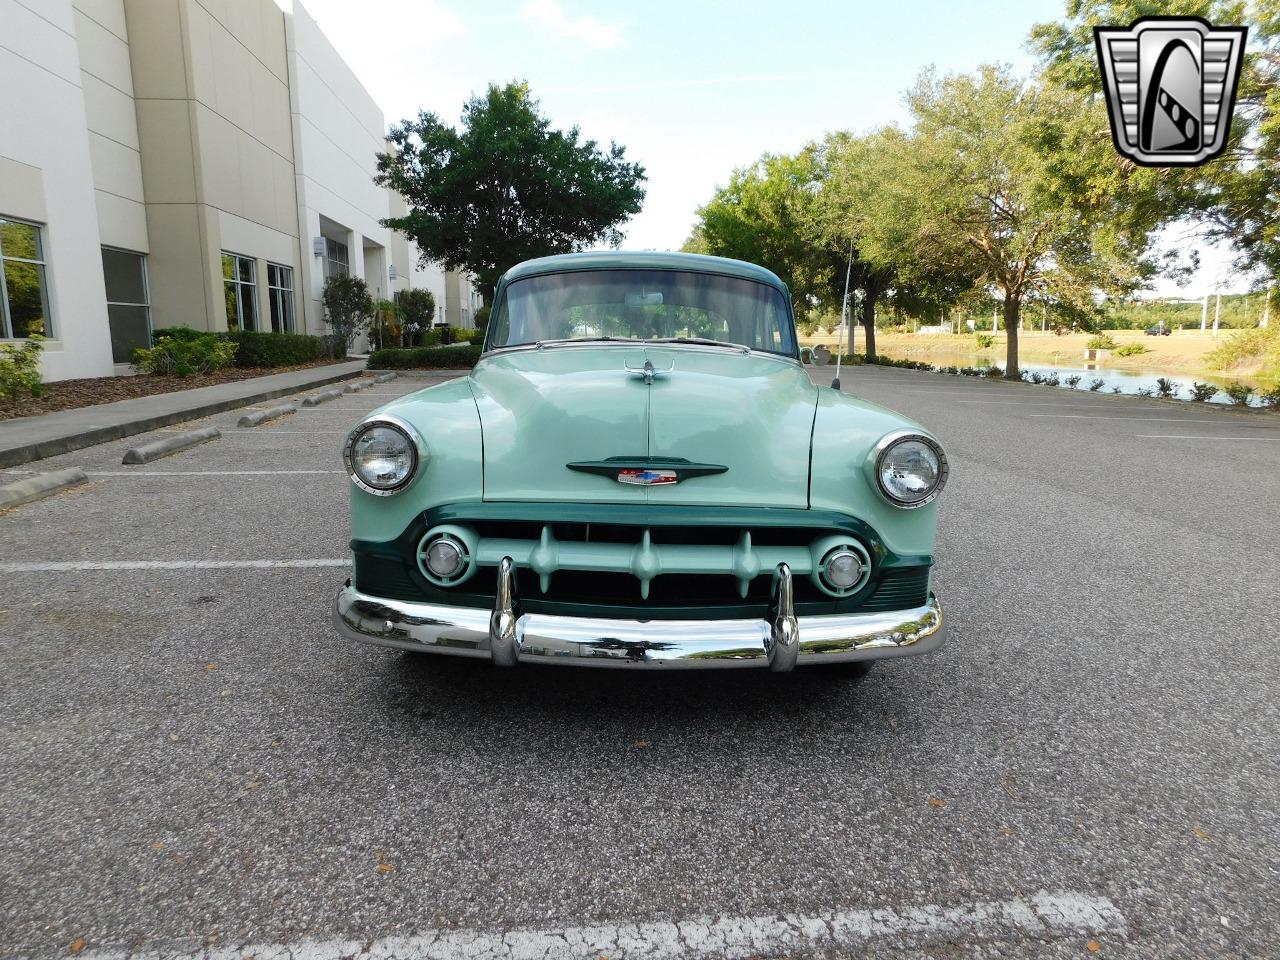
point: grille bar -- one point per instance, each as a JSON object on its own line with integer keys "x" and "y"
{"x": 646, "y": 559}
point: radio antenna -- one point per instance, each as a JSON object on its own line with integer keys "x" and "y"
{"x": 844, "y": 311}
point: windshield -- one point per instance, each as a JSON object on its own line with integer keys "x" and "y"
{"x": 649, "y": 305}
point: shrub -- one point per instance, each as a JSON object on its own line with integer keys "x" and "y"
{"x": 993, "y": 373}
{"x": 482, "y": 318}
{"x": 1116, "y": 390}
{"x": 1101, "y": 342}
{"x": 181, "y": 358}
{"x": 1238, "y": 392}
{"x": 20, "y": 368}
{"x": 348, "y": 306}
{"x": 985, "y": 340}
{"x": 1130, "y": 350}
{"x": 277, "y": 349}
{"x": 1166, "y": 387}
{"x": 1247, "y": 346}
{"x": 1051, "y": 379}
{"x": 425, "y": 358}
{"x": 1096, "y": 384}
{"x": 450, "y": 335}
{"x": 1202, "y": 392}
{"x": 1036, "y": 376}
{"x": 1271, "y": 399}
{"x": 1072, "y": 381}
{"x": 184, "y": 334}
{"x": 1146, "y": 392}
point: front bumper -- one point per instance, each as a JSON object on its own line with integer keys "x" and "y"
{"x": 505, "y": 635}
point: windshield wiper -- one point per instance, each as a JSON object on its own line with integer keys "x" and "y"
{"x": 548, "y": 343}
{"x": 702, "y": 341}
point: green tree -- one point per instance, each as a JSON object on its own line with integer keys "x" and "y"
{"x": 348, "y": 307}
{"x": 1016, "y": 184}
{"x": 504, "y": 186}
{"x": 417, "y": 311}
{"x": 764, "y": 216}
{"x": 771, "y": 213}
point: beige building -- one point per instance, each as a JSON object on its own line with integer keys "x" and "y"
{"x": 201, "y": 163}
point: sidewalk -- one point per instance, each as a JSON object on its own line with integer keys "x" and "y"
{"x": 34, "y": 438}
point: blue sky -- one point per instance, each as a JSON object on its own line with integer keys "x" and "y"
{"x": 692, "y": 89}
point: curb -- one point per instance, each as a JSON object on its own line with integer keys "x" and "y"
{"x": 42, "y": 449}
{"x": 324, "y": 396}
{"x": 271, "y": 413}
{"x": 357, "y": 386}
{"x": 40, "y": 486}
{"x": 162, "y": 448}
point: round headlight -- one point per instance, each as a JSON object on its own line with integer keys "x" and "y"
{"x": 911, "y": 470}
{"x": 381, "y": 456}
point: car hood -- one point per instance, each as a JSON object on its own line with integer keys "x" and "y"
{"x": 543, "y": 409}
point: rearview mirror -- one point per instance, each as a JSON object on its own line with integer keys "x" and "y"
{"x": 643, "y": 299}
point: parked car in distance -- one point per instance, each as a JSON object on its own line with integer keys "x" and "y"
{"x": 1158, "y": 330}
{"x": 640, "y": 473}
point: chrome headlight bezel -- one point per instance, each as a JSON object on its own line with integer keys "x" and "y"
{"x": 417, "y": 447}
{"x": 881, "y": 450}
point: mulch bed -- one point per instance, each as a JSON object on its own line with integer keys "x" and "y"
{"x": 70, "y": 394}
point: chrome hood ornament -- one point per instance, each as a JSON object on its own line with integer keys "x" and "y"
{"x": 649, "y": 372}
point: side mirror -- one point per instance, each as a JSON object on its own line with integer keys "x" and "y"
{"x": 806, "y": 355}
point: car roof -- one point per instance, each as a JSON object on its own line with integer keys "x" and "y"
{"x": 642, "y": 260}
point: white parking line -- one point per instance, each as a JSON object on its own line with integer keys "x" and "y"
{"x": 66, "y": 566}
{"x": 193, "y": 473}
{"x": 1086, "y": 416}
{"x": 1182, "y": 436}
{"x": 1038, "y": 918}
{"x": 1032, "y": 403}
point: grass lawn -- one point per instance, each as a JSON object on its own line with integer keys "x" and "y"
{"x": 1182, "y": 352}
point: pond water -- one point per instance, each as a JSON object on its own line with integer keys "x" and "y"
{"x": 1135, "y": 381}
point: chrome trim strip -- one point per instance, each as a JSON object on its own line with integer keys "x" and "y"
{"x": 637, "y": 644}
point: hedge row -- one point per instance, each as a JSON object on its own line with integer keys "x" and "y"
{"x": 444, "y": 336}
{"x": 425, "y": 358}
{"x": 261, "y": 349}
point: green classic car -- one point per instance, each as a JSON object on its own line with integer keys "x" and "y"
{"x": 640, "y": 473}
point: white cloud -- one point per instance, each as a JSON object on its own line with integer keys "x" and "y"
{"x": 551, "y": 16}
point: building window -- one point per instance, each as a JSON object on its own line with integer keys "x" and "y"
{"x": 280, "y": 297}
{"x": 240, "y": 283}
{"x": 336, "y": 261}
{"x": 24, "y": 287}
{"x": 128, "y": 306}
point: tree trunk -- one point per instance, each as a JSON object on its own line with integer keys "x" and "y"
{"x": 1012, "y": 308}
{"x": 871, "y": 293}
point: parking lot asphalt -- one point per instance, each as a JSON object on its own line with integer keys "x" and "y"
{"x": 193, "y": 762}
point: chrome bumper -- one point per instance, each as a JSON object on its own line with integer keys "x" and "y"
{"x": 506, "y": 635}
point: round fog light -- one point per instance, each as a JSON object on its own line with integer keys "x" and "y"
{"x": 844, "y": 569}
{"x": 444, "y": 557}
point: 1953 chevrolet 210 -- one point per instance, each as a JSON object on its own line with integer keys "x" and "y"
{"x": 640, "y": 473}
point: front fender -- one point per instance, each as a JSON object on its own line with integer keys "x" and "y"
{"x": 446, "y": 418}
{"x": 845, "y": 432}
